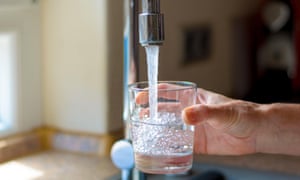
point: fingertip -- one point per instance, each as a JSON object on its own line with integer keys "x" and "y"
{"x": 190, "y": 115}
{"x": 141, "y": 98}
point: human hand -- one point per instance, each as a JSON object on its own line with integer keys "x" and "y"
{"x": 223, "y": 125}
{"x": 226, "y": 126}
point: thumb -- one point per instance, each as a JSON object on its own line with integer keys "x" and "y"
{"x": 219, "y": 116}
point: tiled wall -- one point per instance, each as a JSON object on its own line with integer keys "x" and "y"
{"x": 50, "y": 138}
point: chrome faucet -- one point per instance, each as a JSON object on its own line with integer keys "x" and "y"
{"x": 149, "y": 25}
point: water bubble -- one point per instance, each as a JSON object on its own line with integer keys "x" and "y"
{"x": 165, "y": 135}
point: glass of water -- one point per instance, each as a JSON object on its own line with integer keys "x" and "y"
{"x": 162, "y": 142}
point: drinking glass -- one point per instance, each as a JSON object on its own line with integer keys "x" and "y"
{"x": 162, "y": 142}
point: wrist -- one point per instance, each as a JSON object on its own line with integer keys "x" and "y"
{"x": 279, "y": 131}
{"x": 266, "y": 131}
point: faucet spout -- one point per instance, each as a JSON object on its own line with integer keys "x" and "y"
{"x": 151, "y": 23}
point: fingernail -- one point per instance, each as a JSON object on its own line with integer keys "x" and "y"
{"x": 141, "y": 98}
{"x": 189, "y": 115}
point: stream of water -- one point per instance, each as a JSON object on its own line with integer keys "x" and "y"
{"x": 152, "y": 53}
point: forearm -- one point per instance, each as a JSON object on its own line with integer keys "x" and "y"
{"x": 279, "y": 132}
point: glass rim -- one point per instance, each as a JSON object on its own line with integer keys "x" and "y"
{"x": 159, "y": 124}
{"x": 182, "y": 85}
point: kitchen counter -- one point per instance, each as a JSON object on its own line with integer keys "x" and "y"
{"x": 263, "y": 162}
{"x": 258, "y": 166}
{"x": 54, "y": 165}
{"x": 57, "y": 165}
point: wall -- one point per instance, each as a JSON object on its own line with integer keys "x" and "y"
{"x": 215, "y": 72}
{"x": 75, "y": 64}
{"x": 82, "y": 64}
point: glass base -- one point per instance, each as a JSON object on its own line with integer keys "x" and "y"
{"x": 166, "y": 170}
{"x": 162, "y": 164}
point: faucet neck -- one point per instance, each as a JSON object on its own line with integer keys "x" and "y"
{"x": 151, "y": 6}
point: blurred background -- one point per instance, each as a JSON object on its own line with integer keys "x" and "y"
{"x": 61, "y": 64}
{"x": 243, "y": 49}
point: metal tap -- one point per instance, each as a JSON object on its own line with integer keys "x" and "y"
{"x": 148, "y": 29}
{"x": 151, "y": 23}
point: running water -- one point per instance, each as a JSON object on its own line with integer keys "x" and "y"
{"x": 152, "y": 53}
{"x": 162, "y": 143}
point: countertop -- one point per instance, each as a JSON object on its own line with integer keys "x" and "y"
{"x": 58, "y": 165}
{"x": 54, "y": 165}
{"x": 265, "y": 162}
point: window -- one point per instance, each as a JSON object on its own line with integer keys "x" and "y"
{"x": 8, "y": 78}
